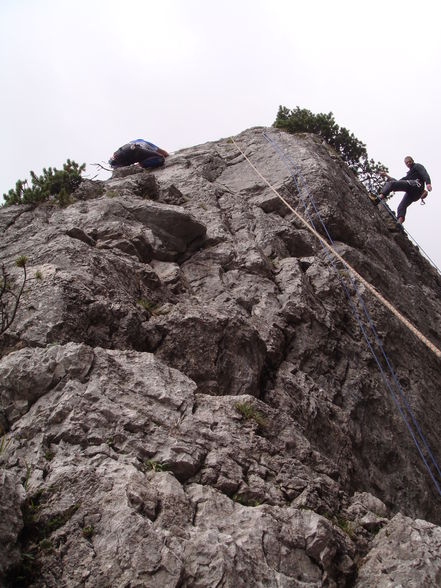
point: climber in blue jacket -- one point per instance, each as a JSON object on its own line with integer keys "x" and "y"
{"x": 412, "y": 184}
{"x": 139, "y": 151}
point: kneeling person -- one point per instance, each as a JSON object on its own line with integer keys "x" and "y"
{"x": 139, "y": 151}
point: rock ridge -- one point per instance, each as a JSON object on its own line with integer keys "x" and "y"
{"x": 186, "y": 397}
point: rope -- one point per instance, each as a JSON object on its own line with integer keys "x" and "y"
{"x": 360, "y": 278}
{"x": 285, "y": 158}
{"x": 414, "y": 241}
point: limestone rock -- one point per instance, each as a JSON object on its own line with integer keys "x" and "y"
{"x": 405, "y": 553}
{"x": 186, "y": 397}
{"x": 12, "y": 496}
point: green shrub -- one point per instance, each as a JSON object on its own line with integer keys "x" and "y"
{"x": 4, "y": 444}
{"x": 59, "y": 184}
{"x": 151, "y": 307}
{"x": 155, "y": 466}
{"x": 250, "y": 413}
{"x": 351, "y": 149}
{"x": 88, "y": 531}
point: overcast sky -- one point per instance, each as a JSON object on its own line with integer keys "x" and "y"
{"x": 81, "y": 78}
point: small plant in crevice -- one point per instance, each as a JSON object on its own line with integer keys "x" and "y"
{"x": 246, "y": 501}
{"x": 88, "y": 531}
{"x": 248, "y": 412}
{"x": 274, "y": 262}
{"x": 45, "y": 544}
{"x": 155, "y": 466}
{"x": 110, "y": 442}
{"x": 339, "y": 521}
{"x": 32, "y": 506}
{"x": 49, "y": 455}
{"x": 151, "y": 307}
{"x": 111, "y": 193}
{"x": 34, "y": 540}
{"x": 27, "y": 570}
{"x": 4, "y": 444}
{"x": 345, "y": 525}
{"x": 27, "y": 476}
{"x": 53, "y": 344}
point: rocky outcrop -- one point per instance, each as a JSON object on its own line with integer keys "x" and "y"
{"x": 186, "y": 396}
{"x": 405, "y": 553}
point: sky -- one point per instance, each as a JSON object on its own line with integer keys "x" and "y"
{"x": 79, "y": 79}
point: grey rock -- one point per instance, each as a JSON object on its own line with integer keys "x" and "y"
{"x": 405, "y": 553}
{"x": 12, "y": 495}
{"x": 30, "y": 374}
{"x": 186, "y": 398}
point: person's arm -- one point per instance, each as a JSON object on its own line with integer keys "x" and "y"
{"x": 423, "y": 172}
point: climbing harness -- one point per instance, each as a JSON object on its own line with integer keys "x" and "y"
{"x": 421, "y": 443}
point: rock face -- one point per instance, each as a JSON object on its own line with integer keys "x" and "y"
{"x": 187, "y": 397}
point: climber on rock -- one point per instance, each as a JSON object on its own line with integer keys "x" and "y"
{"x": 412, "y": 184}
{"x": 139, "y": 151}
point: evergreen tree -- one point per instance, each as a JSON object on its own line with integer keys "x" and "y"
{"x": 350, "y": 149}
{"x": 53, "y": 182}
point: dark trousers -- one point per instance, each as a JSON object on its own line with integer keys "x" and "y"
{"x": 130, "y": 154}
{"x": 153, "y": 160}
{"x": 412, "y": 188}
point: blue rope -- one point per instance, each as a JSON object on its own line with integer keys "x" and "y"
{"x": 365, "y": 312}
{"x": 373, "y": 331}
{"x": 359, "y": 322}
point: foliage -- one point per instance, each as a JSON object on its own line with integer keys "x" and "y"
{"x": 10, "y": 294}
{"x": 155, "y": 466}
{"x": 4, "y": 444}
{"x": 88, "y": 531}
{"x": 27, "y": 476}
{"x": 339, "y": 521}
{"x": 246, "y": 502}
{"x": 35, "y": 540}
{"x": 250, "y": 413}
{"x": 49, "y": 455}
{"x": 55, "y": 183}
{"x": 351, "y": 149}
{"x": 151, "y": 307}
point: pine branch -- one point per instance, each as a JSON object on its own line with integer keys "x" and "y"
{"x": 8, "y": 316}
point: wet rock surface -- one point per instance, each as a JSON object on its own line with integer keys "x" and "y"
{"x": 186, "y": 396}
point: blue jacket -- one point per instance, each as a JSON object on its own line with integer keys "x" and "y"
{"x": 142, "y": 142}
